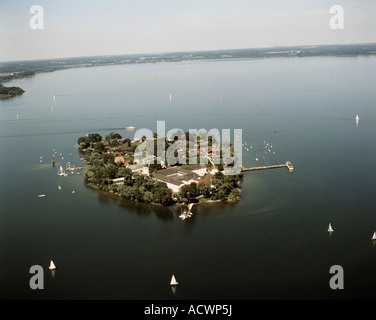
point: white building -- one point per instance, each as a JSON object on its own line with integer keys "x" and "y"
{"x": 176, "y": 177}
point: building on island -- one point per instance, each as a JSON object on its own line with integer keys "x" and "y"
{"x": 119, "y": 160}
{"x": 139, "y": 169}
{"x": 176, "y": 177}
{"x": 118, "y": 180}
{"x": 130, "y": 128}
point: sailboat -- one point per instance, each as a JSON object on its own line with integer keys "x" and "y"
{"x": 61, "y": 172}
{"x": 52, "y": 266}
{"x": 59, "y": 187}
{"x": 173, "y": 281}
{"x": 357, "y": 118}
{"x": 186, "y": 214}
{"x": 374, "y": 236}
{"x": 330, "y": 229}
{"x": 183, "y": 215}
{"x": 189, "y": 213}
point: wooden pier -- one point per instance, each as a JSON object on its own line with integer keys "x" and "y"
{"x": 287, "y": 165}
{"x": 75, "y": 168}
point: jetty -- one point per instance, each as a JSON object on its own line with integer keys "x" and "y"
{"x": 287, "y": 165}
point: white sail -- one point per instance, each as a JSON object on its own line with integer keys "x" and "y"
{"x": 52, "y": 266}
{"x": 330, "y": 229}
{"x": 173, "y": 281}
{"x": 61, "y": 172}
{"x": 59, "y": 187}
{"x": 190, "y": 207}
{"x": 374, "y": 236}
{"x": 357, "y": 118}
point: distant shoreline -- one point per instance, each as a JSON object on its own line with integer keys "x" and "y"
{"x": 14, "y": 70}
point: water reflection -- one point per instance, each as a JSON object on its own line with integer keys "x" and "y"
{"x": 107, "y": 197}
{"x": 164, "y": 213}
{"x": 143, "y": 209}
{"x": 173, "y": 289}
{"x": 53, "y": 272}
{"x": 209, "y": 208}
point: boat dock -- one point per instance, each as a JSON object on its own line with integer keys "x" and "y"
{"x": 75, "y": 168}
{"x": 287, "y": 165}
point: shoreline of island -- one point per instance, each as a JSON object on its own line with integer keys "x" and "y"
{"x": 110, "y": 168}
{"x": 10, "y": 92}
{"x": 93, "y": 186}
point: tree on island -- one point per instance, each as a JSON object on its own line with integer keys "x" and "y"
{"x": 126, "y": 174}
{"x": 204, "y": 189}
{"x": 111, "y": 170}
{"x": 189, "y": 192}
{"x": 85, "y": 142}
{"x": 95, "y": 137}
{"x": 112, "y": 136}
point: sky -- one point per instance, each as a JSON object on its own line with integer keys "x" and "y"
{"x": 75, "y": 28}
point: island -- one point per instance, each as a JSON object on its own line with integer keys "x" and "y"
{"x": 10, "y": 92}
{"x": 110, "y": 167}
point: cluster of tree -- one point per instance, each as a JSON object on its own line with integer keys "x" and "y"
{"x": 112, "y": 136}
{"x": 225, "y": 187}
{"x": 9, "y": 92}
{"x": 145, "y": 189}
{"x": 101, "y": 170}
{"x": 88, "y": 140}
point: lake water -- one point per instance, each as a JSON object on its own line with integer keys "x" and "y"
{"x": 273, "y": 244}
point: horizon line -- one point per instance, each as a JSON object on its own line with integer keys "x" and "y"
{"x": 187, "y": 51}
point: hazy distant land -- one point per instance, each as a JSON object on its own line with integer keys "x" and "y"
{"x": 21, "y": 69}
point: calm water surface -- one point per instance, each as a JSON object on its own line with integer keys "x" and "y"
{"x": 273, "y": 244}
